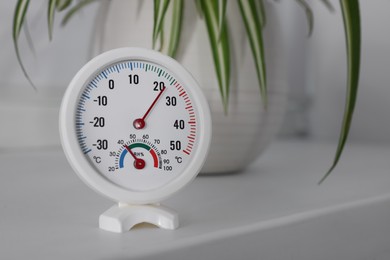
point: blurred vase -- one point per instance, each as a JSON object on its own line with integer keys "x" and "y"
{"x": 241, "y": 135}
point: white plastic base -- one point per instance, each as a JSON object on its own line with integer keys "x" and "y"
{"x": 122, "y": 217}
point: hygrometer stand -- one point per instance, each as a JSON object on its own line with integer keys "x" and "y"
{"x": 135, "y": 127}
{"x": 122, "y": 217}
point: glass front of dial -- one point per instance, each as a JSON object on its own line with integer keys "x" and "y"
{"x": 137, "y": 124}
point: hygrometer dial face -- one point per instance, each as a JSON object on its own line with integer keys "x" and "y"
{"x": 135, "y": 125}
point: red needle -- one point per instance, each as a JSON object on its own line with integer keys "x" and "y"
{"x": 139, "y": 163}
{"x": 139, "y": 123}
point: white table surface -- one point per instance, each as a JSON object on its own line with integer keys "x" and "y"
{"x": 272, "y": 210}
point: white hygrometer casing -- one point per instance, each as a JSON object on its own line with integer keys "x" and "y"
{"x": 75, "y": 114}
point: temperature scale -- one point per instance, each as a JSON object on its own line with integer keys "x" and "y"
{"x": 136, "y": 128}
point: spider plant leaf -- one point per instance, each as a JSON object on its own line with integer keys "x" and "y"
{"x": 19, "y": 17}
{"x": 262, "y": 15}
{"x": 160, "y": 9}
{"x": 351, "y": 16}
{"x": 74, "y": 10}
{"x": 221, "y": 13}
{"x": 162, "y": 39}
{"x": 156, "y": 6}
{"x": 50, "y": 16}
{"x": 309, "y": 15}
{"x": 177, "y": 17}
{"x": 219, "y": 42}
{"x": 29, "y": 40}
{"x": 62, "y": 4}
{"x": 328, "y": 5}
{"x": 252, "y": 23}
{"x": 198, "y": 6}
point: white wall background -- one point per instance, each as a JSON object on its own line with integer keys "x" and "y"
{"x": 317, "y": 68}
{"x": 54, "y": 63}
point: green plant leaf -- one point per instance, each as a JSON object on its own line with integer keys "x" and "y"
{"x": 61, "y": 5}
{"x": 351, "y": 16}
{"x": 262, "y": 15}
{"x": 177, "y": 17}
{"x": 162, "y": 39}
{"x": 222, "y": 4}
{"x": 309, "y": 15}
{"x": 50, "y": 16}
{"x": 252, "y": 23}
{"x": 19, "y": 17}
{"x": 160, "y": 9}
{"x": 74, "y": 10}
{"x": 220, "y": 48}
{"x": 328, "y": 5}
{"x": 198, "y": 6}
{"x": 29, "y": 40}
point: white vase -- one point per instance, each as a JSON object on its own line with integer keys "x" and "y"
{"x": 241, "y": 135}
